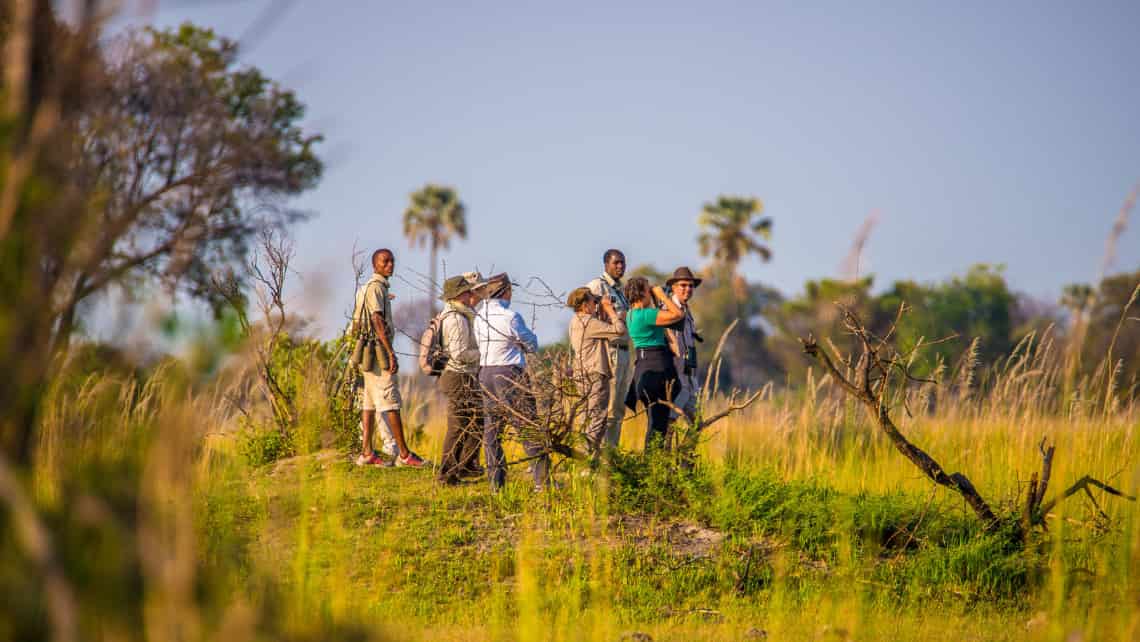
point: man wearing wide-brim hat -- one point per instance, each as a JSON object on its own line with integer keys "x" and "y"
{"x": 504, "y": 341}
{"x": 683, "y": 338}
{"x": 459, "y": 381}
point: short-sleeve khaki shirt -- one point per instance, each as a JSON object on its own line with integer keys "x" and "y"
{"x": 373, "y": 297}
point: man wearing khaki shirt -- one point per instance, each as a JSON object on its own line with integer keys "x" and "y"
{"x": 609, "y": 286}
{"x": 372, "y": 314}
{"x": 590, "y": 339}
{"x": 459, "y": 380}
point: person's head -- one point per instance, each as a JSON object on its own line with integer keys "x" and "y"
{"x": 383, "y": 262}
{"x": 582, "y": 300}
{"x": 682, "y": 284}
{"x": 638, "y": 292}
{"x": 614, "y": 262}
{"x": 463, "y": 288}
{"x": 683, "y": 290}
{"x": 498, "y": 287}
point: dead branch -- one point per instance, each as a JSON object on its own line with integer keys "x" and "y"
{"x": 881, "y": 366}
{"x": 701, "y": 423}
{"x": 276, "y": 251}
{"x": 558, "y": 406}
{"x": 1083, "y": 485}
{"x": 878, "y": 366}
{"x": 715, "y": 364}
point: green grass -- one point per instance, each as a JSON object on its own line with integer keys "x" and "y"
{"x": 800, "y": 520}
{"x": 706, "y": 554}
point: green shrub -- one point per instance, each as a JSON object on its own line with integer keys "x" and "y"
{"x": 261, "y": 445}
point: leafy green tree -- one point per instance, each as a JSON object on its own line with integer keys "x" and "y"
{"x": 1076, "y": 298}
{"x": 814, "y": 312}
{"x": 187, "y": 155}
{"x": 435, "y": 216}
{"x": 1114, "y": 321}
{"x": 723, "y": 297}
{"x": 978, "y": 305}
{"x": 156, "y": 166}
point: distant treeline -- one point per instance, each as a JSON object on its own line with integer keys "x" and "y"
{"x": 976, "y": 316}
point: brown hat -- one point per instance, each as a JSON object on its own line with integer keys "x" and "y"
{"x": 495, "y": 284}
{"x": 457, "y": 285}
{"x": 580, "y": 296}
{"x": 683, "y": 274}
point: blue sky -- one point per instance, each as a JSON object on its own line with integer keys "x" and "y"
{"x": 981, "y": 132}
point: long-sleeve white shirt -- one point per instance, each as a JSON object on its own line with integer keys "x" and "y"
{"x": 502, "y": 335}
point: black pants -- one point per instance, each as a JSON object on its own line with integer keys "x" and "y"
{"x": 509, "y": 386}
{"x": 655, "y": 380}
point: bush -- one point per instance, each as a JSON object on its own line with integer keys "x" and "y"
{"x": 261, "y": 445}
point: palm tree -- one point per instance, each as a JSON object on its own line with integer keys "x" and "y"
{"x": 1078, "y": 299}
{"x": 434, "y": 216}
{"x": 729, "y": 227}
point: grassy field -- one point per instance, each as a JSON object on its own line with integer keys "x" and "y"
{"x": 793, "y": 527}
{"x": 800, "y": 521}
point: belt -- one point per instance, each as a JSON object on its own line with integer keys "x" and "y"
{"x": 653, "y": 351}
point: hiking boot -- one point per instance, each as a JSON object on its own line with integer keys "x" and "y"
{"x": 412, "y": 460}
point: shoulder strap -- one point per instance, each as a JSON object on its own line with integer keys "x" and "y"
{"x": 358, "y": 316}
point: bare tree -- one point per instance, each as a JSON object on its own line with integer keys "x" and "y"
{"x": 268, "y": 269}
{"x": 562, "y": 408}
{"x": 880, "y": 375}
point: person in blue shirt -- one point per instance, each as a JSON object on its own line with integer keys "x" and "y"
{"x": 654, "y": 374}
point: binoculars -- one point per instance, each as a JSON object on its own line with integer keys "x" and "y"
{"x": 367, "y": 352}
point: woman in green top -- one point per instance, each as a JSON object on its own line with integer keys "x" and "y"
{"x": 654, "y": 375}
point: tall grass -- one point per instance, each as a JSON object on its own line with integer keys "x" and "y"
{"x": 800, "y": 521}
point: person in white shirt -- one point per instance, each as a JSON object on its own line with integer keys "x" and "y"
{"x": 504, "y": 341}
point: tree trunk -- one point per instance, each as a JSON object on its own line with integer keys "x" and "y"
{"x": 434, "y": 286}
{"x": 65, "y": 319}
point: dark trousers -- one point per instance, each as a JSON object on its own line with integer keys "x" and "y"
{"x": 464, "y": 424}
{"x": 654, "y": 380}
{"x": 507, "y": 388}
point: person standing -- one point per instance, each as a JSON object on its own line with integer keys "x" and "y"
{"x": 655, "y": 374}
{"x": 459, "y": 381}
{"x": 682, "y": 338}
{"x": 372, "y": 315}
{"x": 590, "y": 341}
{"x": 504, "y": 341}
{"x": 609, "y": 286}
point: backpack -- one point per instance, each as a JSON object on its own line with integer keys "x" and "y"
{"x": 433, "y": 356}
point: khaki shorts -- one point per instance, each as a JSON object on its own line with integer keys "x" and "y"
{"x": 381, "y": 392}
